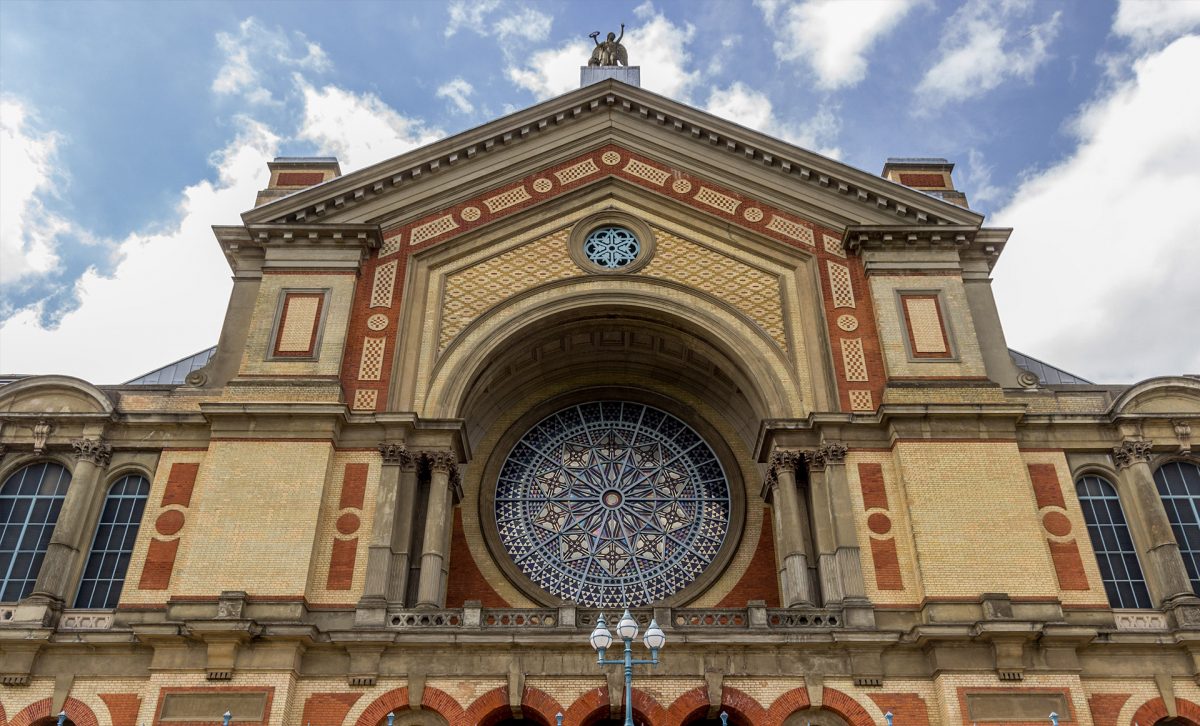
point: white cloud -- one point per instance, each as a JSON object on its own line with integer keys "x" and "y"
{"x": 527, "y": 24}
{"x": 976, "y": 180}
{"x": 658, "y": 46}
{"x": 28, "y": 231}
{"x": 254, "y": 49}
{"x": 164, "y": 299}
{"x": 458, "y": 92}
{"x": 359, "y": 129}
{"x": 469, "y": 14}
{"x": 1148, "y": 21}
{"x": 983, "y": 45}
{"x": 1100, "y": 275}
{"x": 832, "y": 37}
{"x": 744, "y": 105}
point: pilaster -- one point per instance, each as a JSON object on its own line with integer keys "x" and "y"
{"x": 789, "y": 528}
{"x": 443, "y": 481}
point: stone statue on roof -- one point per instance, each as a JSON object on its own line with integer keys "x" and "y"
{"x": 610, "y": 52}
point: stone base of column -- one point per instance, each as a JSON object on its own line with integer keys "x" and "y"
{"x": 37, "y": 611}
{"x": 371, "y": 613}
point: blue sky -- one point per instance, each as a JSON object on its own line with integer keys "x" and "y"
{"x": 129, "y": 128}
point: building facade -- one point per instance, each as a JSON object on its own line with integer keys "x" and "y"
{"x": 606, "y": 352}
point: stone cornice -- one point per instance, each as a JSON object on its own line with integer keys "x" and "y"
{"x": 971, "y": 241}
{"x": 798, "y": 165}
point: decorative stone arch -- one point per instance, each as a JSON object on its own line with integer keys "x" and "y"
{"x": 1163, "y": 396}
{"x": 77, "y": 711}
{"x": 727, "y": 329}
{"x": 1155, "y": 710}
{"x": 594, "y": 705}
{"x": 832, "y": 700}
{"x": 741, "y": 707}
{"x": 433, "y": 699}
{"x": 537, "y": 708}
{"x": 52, "y": 396}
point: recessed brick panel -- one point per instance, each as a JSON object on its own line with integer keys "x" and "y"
{"x": 924, "y": 180}
{"x": 299, "y": 178}
{"x": 122, "y": 707}
{"x": 354, "y": 485}
{"x": 160, "y": 560}
{"x": 1068, "y": 565}
{"x": 887, "y": 564}
{"x": 341, "y": 564}
{"x": 328, "y": 708}
{"x": 870, "y": 477}
{"x": 1046, "y": 488}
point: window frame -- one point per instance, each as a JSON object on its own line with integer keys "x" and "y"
{"x": 15, "y": 467}
{"x": 1104, "y": 556}
{"x": 1188, "y": 554}
{"x": 111, "y": 481}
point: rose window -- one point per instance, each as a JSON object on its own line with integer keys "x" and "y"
{"x": 611, "y": 247}
{"x": 612, "y": 504}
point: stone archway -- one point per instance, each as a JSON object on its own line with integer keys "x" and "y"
{"x": 815, "y": 716}
{"x": 408, "y": 717}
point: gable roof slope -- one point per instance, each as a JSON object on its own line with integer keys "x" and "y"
{"x": 739, "y": 144}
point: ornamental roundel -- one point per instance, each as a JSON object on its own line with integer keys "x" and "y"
{"x": 611, "y": 247}
{"x": 612, "y": 504}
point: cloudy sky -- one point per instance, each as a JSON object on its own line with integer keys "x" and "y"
{"x": 128, "y": 129}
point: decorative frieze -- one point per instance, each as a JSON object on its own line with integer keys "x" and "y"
{"x": 96, "y": 451}
{"x": 1131, "y": 452}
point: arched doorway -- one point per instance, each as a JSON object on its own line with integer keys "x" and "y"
{"x": 815, "y": 717}
{"x": 702, "y": 721}
{"x": 529, "y": 720}
{"x": 406, "y": 717}
{"x": 51, "y": 721}
{"x": 1179, "y": 721}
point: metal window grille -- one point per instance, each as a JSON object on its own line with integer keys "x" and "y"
{"x": 1115, "y": 553}
{"x": 1179, "y": 487}
{"x": 104, "y": 573}
{"x": 30, "y": 500}
{"x": 611, "y": 247}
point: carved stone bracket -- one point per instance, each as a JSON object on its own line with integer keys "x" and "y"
{"x": 1131, "y": 452}
{"x": 97, "y": 451}
{"x": 41, "y": 432}
{"x": 397, "y": 455}
{"x": 829, "y": 454}
{"x": 1183, "y": 432}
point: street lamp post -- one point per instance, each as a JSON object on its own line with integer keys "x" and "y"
{"x": 627, "y": 630}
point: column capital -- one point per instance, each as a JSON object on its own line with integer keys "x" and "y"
{"x": 1131, "y": 452}
{"x": 442, "y": 460}
{"x": 782, "y": 460}
{"x": 828, "y": 454}
{"x": 97, "y": 451}
{"x": 396, "y": 454}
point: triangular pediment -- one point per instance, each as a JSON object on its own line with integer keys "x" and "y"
{"x": 667, "y": 135}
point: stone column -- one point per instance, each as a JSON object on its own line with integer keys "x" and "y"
{"x": 1165, "y": 573}
{"x": 845, "y": 565}
{"x": 391, "y": 534}
{"x": 438, "y": 513}
{"x": 66, "y": 545}
{"x": 789, "y": 528}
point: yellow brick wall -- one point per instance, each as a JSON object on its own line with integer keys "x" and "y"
{"x": 252, "y": 519}
{"x": 333, "y": 336}
{"x": 959, "y": 327}
{"x": 947, "y": 686}
{"x": 130, "y": 594}
{"x": 1095, "y": 595}
{"x": 901, "y": 531}
{"x": 327, "y": 528}
{"x": 974, "y": 520}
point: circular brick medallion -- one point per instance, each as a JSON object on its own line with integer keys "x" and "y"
{"x": 753, "y": 214}
{"x": 879, "y": 523}
{"x": 348, "y": 523}
{"x": 169, "y": 522}
{"x": 611, "y": 158}
{"x": 470, "y": 214}
{"x": 378, "y": 321}
{"x": 1057, "y": 524}
{"x": 847, "y": 323}
{"x": 682, "y": 186}
{"x": 542, "y": 185}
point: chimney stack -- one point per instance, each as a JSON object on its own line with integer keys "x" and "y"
{"x": 290, "y": 174}
{"x": 928, "y": 174}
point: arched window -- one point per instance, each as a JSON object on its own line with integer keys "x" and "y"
{"x": 1115, "y": 553}
{"x": 115, "y": 534}
{"x": 30, "y": 500}
{"x": 1179, "y": 486}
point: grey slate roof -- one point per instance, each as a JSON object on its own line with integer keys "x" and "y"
{"x": 1046, "y": 373}
{"x": 176, "y": 373}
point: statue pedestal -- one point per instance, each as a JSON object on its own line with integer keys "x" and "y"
{"x": 625, "y": 74}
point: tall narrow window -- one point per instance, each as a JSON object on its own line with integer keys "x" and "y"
{"x": 104, "y": 573}
{"x": 1179, "y": 486}
{"x": 1115, "y": 553}
{"x": 30, "y": 500}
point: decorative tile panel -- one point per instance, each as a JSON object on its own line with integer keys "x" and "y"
{"x": 432, "y": 229}
{"x": 385, "y": 281}
{"x": 391, "y": 245}
{"x": 833, "y": 245}
{"x": 788, "y": 228}
{"x": 511, "y": 198}
{"x": 839, "y": 283}
{"x": 365, "y": 399}
{"x": 716, "y": 199}
{"x": 372, "y": 359}
{"x": 854, "y": 359}
{"x": 861, "y": 400}
{"x": 585, "y": 168}
{"x": 651, "y": 174}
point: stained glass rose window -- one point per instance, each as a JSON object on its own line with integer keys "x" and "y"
{"x": 612, "y": 504}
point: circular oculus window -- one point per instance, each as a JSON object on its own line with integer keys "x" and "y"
{"x": 612, "y": 504}
{"x": 611, "y": 247}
